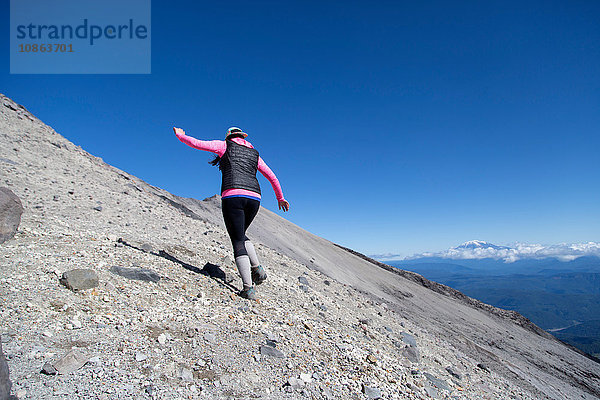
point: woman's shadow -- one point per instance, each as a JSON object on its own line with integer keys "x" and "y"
{"x": 211, "y": 270}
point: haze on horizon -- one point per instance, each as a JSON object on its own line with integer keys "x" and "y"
{"x": 479, "y": 249}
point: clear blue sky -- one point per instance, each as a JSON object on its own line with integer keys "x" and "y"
{"x": 392, "y": 126}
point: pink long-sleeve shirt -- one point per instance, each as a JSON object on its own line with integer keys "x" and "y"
{"x": 219, "y": 147}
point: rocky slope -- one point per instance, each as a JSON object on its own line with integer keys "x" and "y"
{"x": 164, "y": 320}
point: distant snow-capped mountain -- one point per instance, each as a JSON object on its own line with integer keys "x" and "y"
{"x": 479, "y": 249}
{"x": 479, "y": 244}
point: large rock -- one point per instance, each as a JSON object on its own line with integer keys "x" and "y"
{"x": 437, "y": 382}
{"x": 80, "y": 279}
{"x": 139, "y": 274}
{"x": 371, "y": 392}
{"x": 411, "y": 353}
{"x": 5, "y": 383}
{"x": 271, "y": 352}
{"x": 10, "y": 214}
{"x": 409, "y": 339}
{"x": 71, "y": 361}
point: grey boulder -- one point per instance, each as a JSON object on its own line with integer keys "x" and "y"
{"x": 437, "y": 382}
{"x": 411, "y": 353}
{"x": 5, "y": 383}
{"x": 271, "y": 352}
{"x": 49, "y": 369}
{"x": 10, "y": 214}
{"x": 409, "y": 339}
{"x": 70, "y": 362}
{"x": 138, "y": 274}
{"x": 80, "y": 279}
{"x": 371, "y": 392}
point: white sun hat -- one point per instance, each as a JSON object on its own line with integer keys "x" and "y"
{"x": 234, "y": 130}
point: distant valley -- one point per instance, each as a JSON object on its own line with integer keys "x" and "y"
{"x": 561, "y": 294}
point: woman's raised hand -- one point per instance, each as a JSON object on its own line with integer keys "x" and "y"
{"x": 178, "y": 131}
{"x": 284, "y": 205}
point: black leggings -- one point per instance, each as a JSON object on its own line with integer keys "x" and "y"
{"x": 238, "y": 213}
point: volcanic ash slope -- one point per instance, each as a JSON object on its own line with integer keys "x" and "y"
{"x": 162, "y": 320}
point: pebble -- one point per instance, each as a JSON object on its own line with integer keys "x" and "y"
{"x": 76, "y": 323}
{"x": 162, "y": 338}
{"x": 94, "y": 360}
{"x": 303, "y": 280}
{"x": 186, "y": 375}
{"x": 409, "y": 339}
{"x": 437, "y": 382}
{"x": 411, "y": 353}
{"x": 295, "y": 382}
{"x": 453, "y": 372}
{"x": 71, "y": 361}
{"x": 483, "y": 367}
{"x": 271, "y": 352}
{"x": 431, "y": 391}
{"x": 210, "y": 338}
{"x": 371, "y": 392}
{"x": 48, "y": 369}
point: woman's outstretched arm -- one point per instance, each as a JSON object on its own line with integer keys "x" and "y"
{"x": 264, "y": 169}
{"x": 215, "y": 146}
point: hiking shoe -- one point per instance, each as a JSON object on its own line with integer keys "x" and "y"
{"x": 248, "y": 293}
{"x": 258, "y": 275}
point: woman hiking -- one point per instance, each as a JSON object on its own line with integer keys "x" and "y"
{"x": 240, "y": 197}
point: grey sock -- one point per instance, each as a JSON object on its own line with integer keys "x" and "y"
{"x": 243, "y": 266}
{"x": 251, "y": 253}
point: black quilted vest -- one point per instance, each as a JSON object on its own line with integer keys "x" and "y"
{"x": 238, "y": 166}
